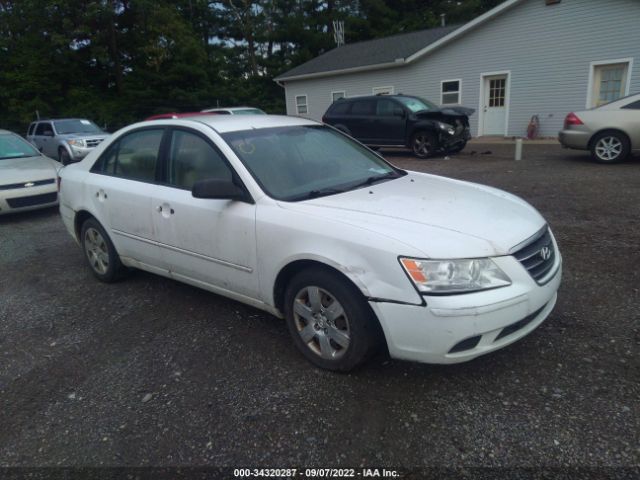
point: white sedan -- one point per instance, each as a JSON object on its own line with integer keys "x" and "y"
{"x": 299, "y": 220}
{"x": 28, "y": 179}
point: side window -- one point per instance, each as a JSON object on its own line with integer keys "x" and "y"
{"x": 134, "y": 156}
{"x": 633, "y": 105}
{"x": 43, "y": 128}
{"x": 31, "y": 129}
{"x": 386, "y": 107}
{"x": 340, "y": 108}
{"x": 191, "y": 158}
{"x": 363, "y": 107}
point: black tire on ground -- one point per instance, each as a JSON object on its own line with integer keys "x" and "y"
{"x": 334, "y": 328}
{"x": 63, "y": 156}
{"x": 423, "y": 144}
{"x": 457, "y": 149}
{"x": 610, "y": 147}
{"x": 99, "y": 252}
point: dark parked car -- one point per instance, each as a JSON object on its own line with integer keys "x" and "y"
{"x": 402, "y": 121}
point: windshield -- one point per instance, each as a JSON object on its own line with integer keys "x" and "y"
{"x": 416, "y": 104}
{"x": 302, "y": 162}
{"x": 249, "y": 111}
{"x": 76, "y": 126}
{"x": 12, "y": 146}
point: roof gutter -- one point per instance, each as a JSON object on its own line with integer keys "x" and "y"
{"x": 398, "y": 62}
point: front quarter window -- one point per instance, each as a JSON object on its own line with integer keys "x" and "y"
{"x": 300, "y": 162}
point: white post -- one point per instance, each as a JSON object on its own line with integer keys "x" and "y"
{"x": 518, "y": 149}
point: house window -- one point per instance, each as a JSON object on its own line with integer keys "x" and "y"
{"x": 301, "y": 104}
{"x": 382, "y": 90}
{"x": 609, "y": 81}
{"x": 450, "y": 92}
{"x": 337, "y": 96}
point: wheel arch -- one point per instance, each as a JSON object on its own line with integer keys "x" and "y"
{"x": 608, "y": 130}
{"x": 80, "y": 217}
{"x": 287, "y": 272}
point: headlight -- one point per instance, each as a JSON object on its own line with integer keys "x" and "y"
{"x": 454, "y": 276}
{"x": 447, "y": 128}
{"x": 76, "y": 142}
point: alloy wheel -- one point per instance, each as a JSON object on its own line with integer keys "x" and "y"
{"x": 608, "y": 148}
{"x": 97, "y": 251}
{"x": 422, "y": 145}
{"x": 321, "y": 322}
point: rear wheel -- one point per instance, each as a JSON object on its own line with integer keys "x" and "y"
{"x": 99, "y": 252}
{"x": 423, "y": 144}
{"x": 610, "y": 147}
{"x": 329, "y": 320}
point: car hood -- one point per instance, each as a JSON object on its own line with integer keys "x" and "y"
{"x": 456, "y": 111}
{"x": 440, "y": 217}
{"x": 68, "y": 136}
{"x": 16, "y": 170}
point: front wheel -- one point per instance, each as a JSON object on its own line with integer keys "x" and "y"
{"x": 610, "y": 147}
{"x": 329, "y": 320}
{"x": 423, "y": 144}
{"x": 63, "y": 156}
{"x": 99, "y": 252}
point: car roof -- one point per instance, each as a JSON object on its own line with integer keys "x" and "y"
{"x": 59, "y": 119}
{"x": 6, "y": 132}
{"x": 175, "y": 115}
{"x": 231, "y": 123}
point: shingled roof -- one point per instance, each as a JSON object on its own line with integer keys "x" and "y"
{"x": 370, "y": 53}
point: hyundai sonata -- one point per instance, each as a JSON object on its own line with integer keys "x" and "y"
{"x": 297, "y": 219}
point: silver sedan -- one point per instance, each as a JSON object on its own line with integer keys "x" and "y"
{"x": 28, "y": 179}
{"x": 611, "y": 132}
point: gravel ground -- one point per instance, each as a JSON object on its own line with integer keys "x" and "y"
{"x": 151, "y": 372}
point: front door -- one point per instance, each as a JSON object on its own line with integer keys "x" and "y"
{"x": 204, "y": 240}
{"x": 495, "y": 108}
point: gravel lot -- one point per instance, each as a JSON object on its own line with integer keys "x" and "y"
{"x": 152, "y": 372}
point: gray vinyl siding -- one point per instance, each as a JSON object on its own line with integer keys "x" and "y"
{"x": 548, "y": 51}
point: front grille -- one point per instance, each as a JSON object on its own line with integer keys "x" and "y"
{"x": 37, "y": 183}
{"x": 21, "y": 202}
{"x": 93, "y": 142}
{"x": 538, "y": 256}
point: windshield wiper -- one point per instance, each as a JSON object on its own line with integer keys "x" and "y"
{"x": 375, "y": 178}
{"x": 321, "y": 192}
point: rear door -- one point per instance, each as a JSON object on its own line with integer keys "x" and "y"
{"x": 204, "y": 240}
{"x": 360, "y": 121}
{"x": 389, "y": 124}
{"x": 122, "y": 186}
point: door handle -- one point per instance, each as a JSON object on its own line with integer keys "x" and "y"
{"x": 165, "y": 208}
{"x": 101, "y": 195}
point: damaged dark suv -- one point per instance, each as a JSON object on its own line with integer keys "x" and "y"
{"x": 402, "y": 121}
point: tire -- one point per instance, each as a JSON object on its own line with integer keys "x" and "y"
{"x": 458, "y": 148}
{"x": 100, "y": 253}
{"x": 63, "y": 156}
{"x": 423, "y": 144}
{"x": 610, "y": 147}
{"x": 330, "y": 321}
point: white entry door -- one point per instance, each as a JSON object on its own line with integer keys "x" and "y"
{"x": 494, "y": 110}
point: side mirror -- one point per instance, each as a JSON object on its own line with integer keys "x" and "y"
{"x": 398, "y": 112}
{"x": 48, "y": 133}
{"x": 219, "y": 189}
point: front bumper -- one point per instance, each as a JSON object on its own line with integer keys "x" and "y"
{"x": 25, "y": 199}
{"x": 78, "y": 153}
{"x": 457, "y": 328}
